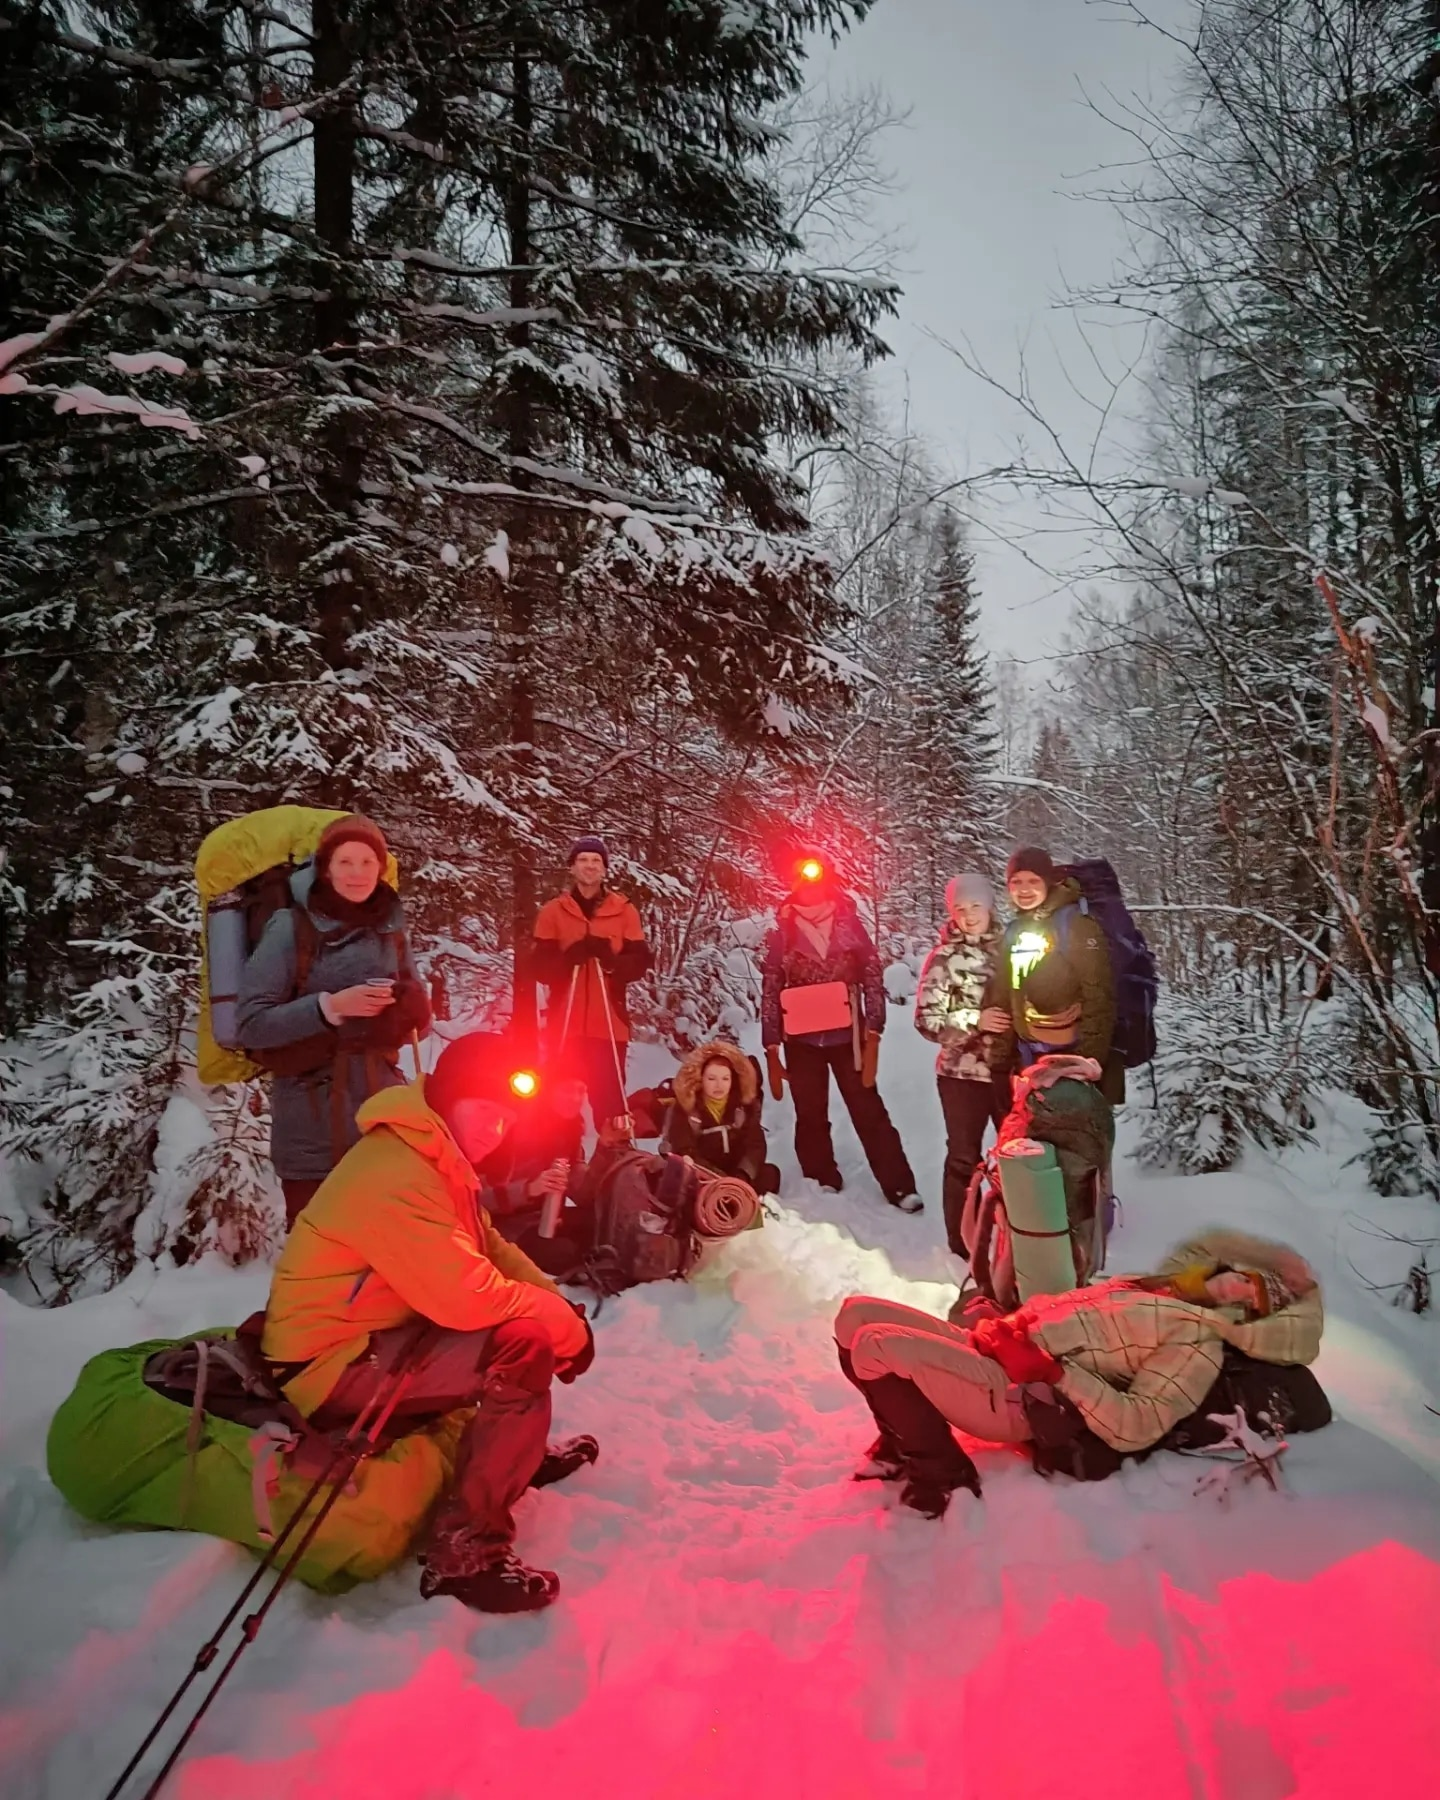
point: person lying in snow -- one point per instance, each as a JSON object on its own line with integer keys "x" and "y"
{"x": 398, "y": 1234}
{"x": 714, "y": 1118}
{"x": 1128, "y": 1360}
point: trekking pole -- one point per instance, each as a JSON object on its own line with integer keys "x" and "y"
{"x": 358, "y": 1441}
{"x": 614, "y": 1046}
{"x": 569, "y": 1005}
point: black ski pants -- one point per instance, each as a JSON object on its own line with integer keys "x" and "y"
{"x": 505, "y": 1373}
{"x": 968, "y": 1106}
{"x": 911, "y": 1426}
{"x": 810, "y": 1067}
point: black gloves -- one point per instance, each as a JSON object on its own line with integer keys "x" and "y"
{"x": 578, "y": 1364}
{"x": 390, "y": 1029}
{"x": 585, "y": 949}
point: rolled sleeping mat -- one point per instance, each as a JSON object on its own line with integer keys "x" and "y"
{"x": 225, "y": 953}
{"x": 724, "y": 1206}
{"x": 1034, "y": 1191}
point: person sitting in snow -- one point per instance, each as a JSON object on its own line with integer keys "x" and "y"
{"x": 952, "y": 1009}
{"x": 822, "y": 1011}
{"x": 399, "y": 1234}
{"x": 1053, "y": 976}
{"x": 540, "y": 1157}
{"x": 1127, "y": 1360}
{"x": 714, "y": 1117}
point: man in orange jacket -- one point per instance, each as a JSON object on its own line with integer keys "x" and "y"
{"x": 393, "y": 1267}
{"x": 589, "y": 945}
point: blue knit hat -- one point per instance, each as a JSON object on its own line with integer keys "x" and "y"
{"x": 593, "y": 846}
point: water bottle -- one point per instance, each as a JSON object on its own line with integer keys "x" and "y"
{"x": 552, "y": 1207}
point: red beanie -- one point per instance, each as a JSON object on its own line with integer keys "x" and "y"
{"x": 354, "y": 828}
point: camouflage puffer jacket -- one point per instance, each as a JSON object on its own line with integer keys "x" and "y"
{"x": 954, "y": 986}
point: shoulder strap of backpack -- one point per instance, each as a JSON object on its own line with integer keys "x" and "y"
{"x": 1065, "y": 918}
{"x": 307, "y": 942}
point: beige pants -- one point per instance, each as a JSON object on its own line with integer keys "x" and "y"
{"x": 973, "y": 1393}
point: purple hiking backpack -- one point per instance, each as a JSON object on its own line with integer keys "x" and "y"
{"x": 1132, "y": 963}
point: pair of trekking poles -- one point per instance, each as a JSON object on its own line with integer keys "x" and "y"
{"x": 360, "y": 1440}
{"x": 609, "y": 1026}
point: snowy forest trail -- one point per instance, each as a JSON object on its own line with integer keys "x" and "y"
{"x": 737, "y": 1616}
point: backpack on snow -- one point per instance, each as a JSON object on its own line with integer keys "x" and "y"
{"x": 643, "y": 1213}
{"x": 1079, "y": 1124}
{"x": 243, "y": 871}
{"x": 161, "y": 1434}
{"x": 1132, "y": 963}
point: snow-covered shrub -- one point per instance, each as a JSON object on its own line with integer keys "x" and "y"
{"x": 1220, "y": 1081}
{"x": 135, "y": 1157}
{"x": 470, "y": 977}
{"x": 1400, "y": 1158}
{"x": 212, "y": 1187}
{"x": 903, "y": 957}
{"x": 714, "y": 993}
{"x": 84, "y": 1094}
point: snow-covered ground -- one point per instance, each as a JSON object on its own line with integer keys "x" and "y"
{"x": 738, "y": 1618}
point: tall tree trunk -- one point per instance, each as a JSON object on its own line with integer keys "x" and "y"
{"x": 1429, "y": 834}
{"x": 524, "y": 569}
{"x": 338, "y": 598}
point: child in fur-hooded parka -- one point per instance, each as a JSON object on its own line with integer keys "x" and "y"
{"x": 716, "y": 1121}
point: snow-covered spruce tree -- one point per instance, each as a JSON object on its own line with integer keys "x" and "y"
{"x": 951, "y": 736}
{"x": 1221, "y": 1081}
{"x": 1049, "y": 806}
{"x": 877, "y": 506}
{"x": 450, "y": 330}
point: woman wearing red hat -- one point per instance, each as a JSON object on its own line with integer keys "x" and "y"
{"x": 330, "y": 995}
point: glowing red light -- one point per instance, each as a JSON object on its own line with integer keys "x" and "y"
{"x": 811, "y": 869}
{"x": 525, "y": 1084}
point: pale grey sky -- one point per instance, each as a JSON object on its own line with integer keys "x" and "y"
{"x": 999, "y": 143}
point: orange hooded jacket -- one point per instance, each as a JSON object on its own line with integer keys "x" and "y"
{"x": 581, "y": 993}
{"x": 396, "y": 1233}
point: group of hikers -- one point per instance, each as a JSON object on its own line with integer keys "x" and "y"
{"x": 428, "y": 1222}
{"x": 993, "y": 1000}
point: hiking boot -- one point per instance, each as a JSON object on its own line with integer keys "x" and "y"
{"x": 884, "y": 1461}
{"x": 906, "y": 1203}
{"x": 563, "y": 1459}
{"x": 503, "y": 1586}
{"x": 928, "y": 1492}
{"x": 832, "y": 1181}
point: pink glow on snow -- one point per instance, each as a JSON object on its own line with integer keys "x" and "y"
{"x": 1322, "y": 1688}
